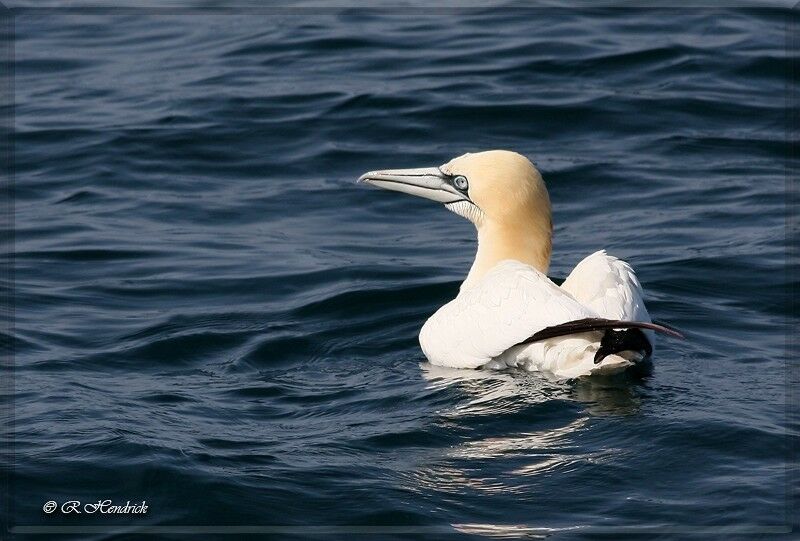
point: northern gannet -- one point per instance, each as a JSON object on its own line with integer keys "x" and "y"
{"x": 508, "y": 313}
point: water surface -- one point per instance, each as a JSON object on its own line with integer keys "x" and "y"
{"x": 213, "y": 317}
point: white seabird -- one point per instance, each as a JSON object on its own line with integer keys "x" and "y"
{"x": 508, "y": 312}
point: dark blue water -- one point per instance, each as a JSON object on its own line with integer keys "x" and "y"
{"x": 213, "y": 317}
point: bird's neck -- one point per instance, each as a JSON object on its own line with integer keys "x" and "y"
{"x": 528, "y": 242}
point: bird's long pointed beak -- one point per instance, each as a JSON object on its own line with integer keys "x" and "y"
{"x": 427, "y": 182}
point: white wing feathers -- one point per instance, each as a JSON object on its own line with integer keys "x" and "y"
{"x": 514, "y": 300}
{"x": 608, "y": 286}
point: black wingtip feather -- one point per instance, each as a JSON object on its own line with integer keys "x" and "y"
{"x": 598, "y": 324}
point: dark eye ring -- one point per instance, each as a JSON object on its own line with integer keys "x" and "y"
{"x": 461, "y": 183}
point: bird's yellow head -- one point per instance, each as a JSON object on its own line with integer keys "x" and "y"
{"x": 504, "y": 185}
{"x": 500, "y": 191}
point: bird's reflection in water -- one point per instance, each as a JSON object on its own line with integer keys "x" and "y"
{"x": 494, "y": 392}
{"x": 512, "y": 427}
{"x": 491, "y": 392}
{"x": 618, "y": 395}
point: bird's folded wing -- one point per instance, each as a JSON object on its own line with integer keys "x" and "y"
{"x": 510, "y": 303}
{"x": 608, "y": 286}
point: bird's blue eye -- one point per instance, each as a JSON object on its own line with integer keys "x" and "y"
{"x": 461, "y": 183}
